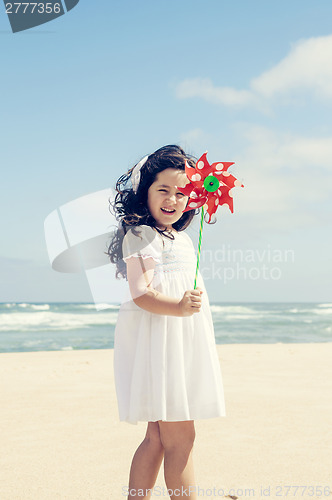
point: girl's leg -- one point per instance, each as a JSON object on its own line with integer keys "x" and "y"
{"x": 146, "y": 463}
{"x": 178, "y": 440}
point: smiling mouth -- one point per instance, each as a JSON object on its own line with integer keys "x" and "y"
{"x": 167, "y": 211}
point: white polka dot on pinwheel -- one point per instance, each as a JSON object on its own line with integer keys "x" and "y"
{"x": 226, "y": 174}
{"x": 200, "y": 164}
{"x": 237, "y": 183}
{"x": 216, "y": 201}
{"x": 193, "y": 204}
{"x": 230, "y": 194}
{"x": 193, "y": 195}
{"x": 219, "y": 166}
{"x": 196, "y": 177}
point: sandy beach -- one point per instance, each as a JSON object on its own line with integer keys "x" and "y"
{"x": 61, "y": 437}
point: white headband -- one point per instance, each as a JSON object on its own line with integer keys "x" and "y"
{"x": 136, "y": 174}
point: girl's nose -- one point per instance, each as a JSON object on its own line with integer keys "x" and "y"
{"x": 172, "y": 198}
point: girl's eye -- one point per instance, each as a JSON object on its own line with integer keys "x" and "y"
{"x": 166, "y": 192}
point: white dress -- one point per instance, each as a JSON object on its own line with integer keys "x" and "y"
{"x": 166, "y": 367}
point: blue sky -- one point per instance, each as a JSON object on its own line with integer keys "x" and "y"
{"x": 87, "y": 95}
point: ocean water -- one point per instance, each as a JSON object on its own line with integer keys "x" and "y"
{"x": 64, "y": 326}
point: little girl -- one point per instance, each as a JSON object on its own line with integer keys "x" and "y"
{"x": 166, "y": 365}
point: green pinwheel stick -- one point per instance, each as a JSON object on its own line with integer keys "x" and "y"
{"x": 199, "y": 245}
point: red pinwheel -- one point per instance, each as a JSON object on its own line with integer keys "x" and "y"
{"x": 209, "y": 186}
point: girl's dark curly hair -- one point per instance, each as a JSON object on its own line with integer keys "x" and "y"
{"x": 130, "y": 209}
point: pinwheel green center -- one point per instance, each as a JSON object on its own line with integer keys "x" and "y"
{"x": 211, "y": 183}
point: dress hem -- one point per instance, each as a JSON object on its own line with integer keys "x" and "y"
{"x": 135, "y": 422}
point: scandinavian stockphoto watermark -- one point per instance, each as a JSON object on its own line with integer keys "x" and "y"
{"x": 78, "y": 233}
{"x": 184, "y": 491}
{"x": 227, "y": 263}
{"x": 26, "y": 15}
{"x": 263, "y": 491}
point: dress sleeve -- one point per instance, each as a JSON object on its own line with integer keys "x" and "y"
{"x": 142, "y": 241}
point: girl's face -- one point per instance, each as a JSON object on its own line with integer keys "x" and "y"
{"x": 162, "y": 194}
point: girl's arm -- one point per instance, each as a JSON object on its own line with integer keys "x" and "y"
{"x": 140, "y": 274}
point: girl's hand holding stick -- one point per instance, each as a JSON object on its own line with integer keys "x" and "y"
{"x": 191, "y": 302}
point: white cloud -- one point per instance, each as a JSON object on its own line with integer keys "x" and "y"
{"x": 279, "y": 150}
{"x": 307, "y": 67}
{"x": 204, "y": 88}
{"x": 287, "y": 178}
